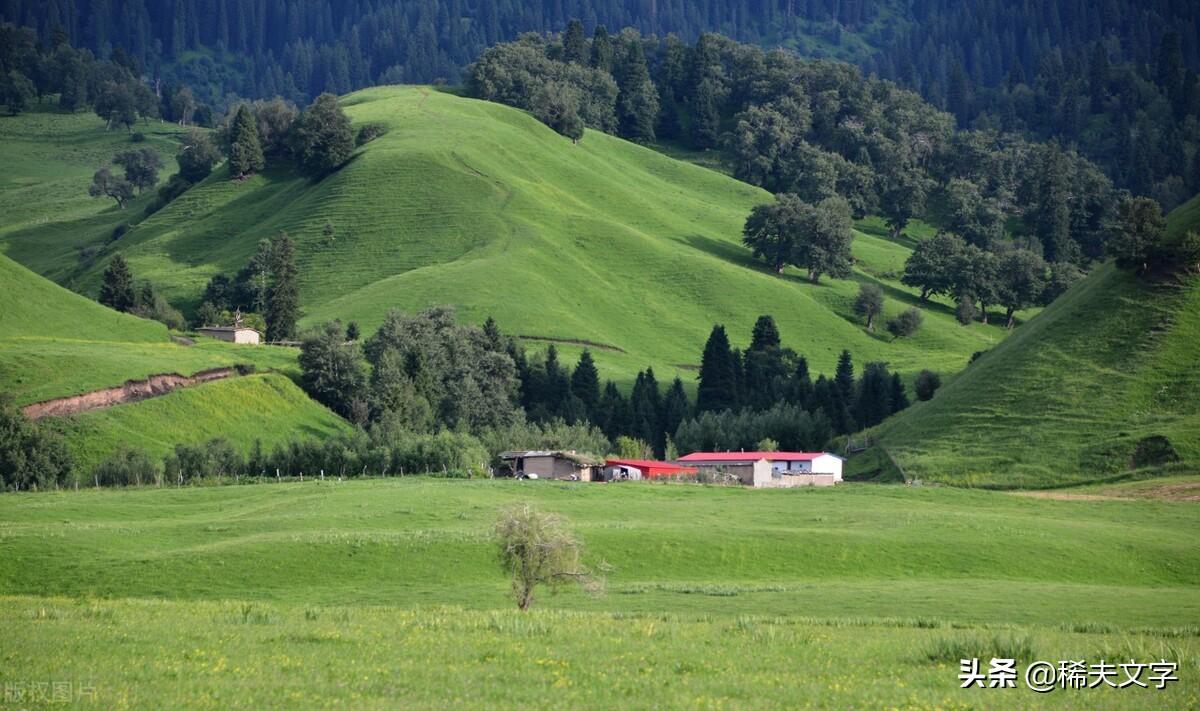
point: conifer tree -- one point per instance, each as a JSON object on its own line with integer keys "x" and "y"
{"x": 117, "y": 291}
{"x": 283, "y": 302}
{"x": 245, "y": 152}
{"x": 574, "y": 44}
{"x": 585, "y": 382}
{"x": 676, "y": 409}
{"x": 602, "y": 50}
{"x": 765, "y": 334}
{"x": 718, "y": 374}
{"x": 637, "y": 99}
{"x": 844, "y": 376}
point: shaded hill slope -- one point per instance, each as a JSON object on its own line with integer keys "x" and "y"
{"x": 1085, "y": 391}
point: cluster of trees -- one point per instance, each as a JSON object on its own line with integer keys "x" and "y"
{"x": 298, "y": 50}
{"x": 1118, "y": 80}
{"x": 318, "y": 139}
{"x": 1014, "y": 278}
{"x": 31, "y": 456}
{"x": 767, "y": 376}
{"x": 266, "y": 291}
{"x": 814, "y": 130}
{"x": 1140, "y": 242}
{"x": 32, "y": 68}
{"x": 121, "y": 292}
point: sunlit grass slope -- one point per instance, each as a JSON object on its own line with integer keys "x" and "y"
{"x": 49, "y": 157}
{"x": 479, "y": 205}
{"x": 269, "y": 408}
{"x": 55, "y": 343}
{"x": 1067, "y": 398}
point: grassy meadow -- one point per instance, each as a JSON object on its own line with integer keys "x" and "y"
{"x": 373, "y": 593}
{"x": 1069, "y": 396}
{"x": 479, "y": 205}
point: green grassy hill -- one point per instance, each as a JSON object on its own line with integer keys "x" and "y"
{"x": 55, "y": 343}
{"x": 850, "y": 597}
{"x": 481, "y": 206}
{"x": 1069, "y": 397}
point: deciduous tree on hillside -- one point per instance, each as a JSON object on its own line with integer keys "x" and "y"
{"x": 321, "y": 138}
{"x": 105, "y": 183}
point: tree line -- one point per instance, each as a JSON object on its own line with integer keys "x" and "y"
{"x": 1117, "y": 80}
{"x": 812, "y": 129}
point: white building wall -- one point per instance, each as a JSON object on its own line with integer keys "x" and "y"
{"x": 828, "y": 464}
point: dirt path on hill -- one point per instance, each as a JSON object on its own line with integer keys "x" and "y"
{"x": 1168, "y": 491}
{"x": 131, "y": 391}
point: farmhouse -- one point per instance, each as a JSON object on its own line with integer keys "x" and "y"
{"x": 232, "y": 334}
{"x": 569, "y": 466}
{"x": 771, "y": 469}
{"x": 636, "y": 469}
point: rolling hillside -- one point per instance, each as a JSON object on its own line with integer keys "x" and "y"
{"x": 479, "y": 205}
{"x": 56, "y": 343}
{"x": 1069, "y": 398}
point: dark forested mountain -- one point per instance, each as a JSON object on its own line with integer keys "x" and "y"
{"x": 1115, "y": 79}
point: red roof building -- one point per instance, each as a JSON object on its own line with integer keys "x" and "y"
{"x": 644, "y": 469}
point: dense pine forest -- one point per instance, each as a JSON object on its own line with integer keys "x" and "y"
{"x": 1116, "y": 80}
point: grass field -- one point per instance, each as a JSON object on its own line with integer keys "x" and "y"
{"x": 372, "y": 593}
{"x": 1070, "y": 395}
{"x": 479, "y": 205}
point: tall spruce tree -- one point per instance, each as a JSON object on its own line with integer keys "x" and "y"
{"x": 574, "y": 44}
{"x": 637, "y": 99}
{"x": 602, "y": 49}
{"x": 844, "y": 376}
{"x": 245, "y": 152}
{"x": 718, "y": 374}
{"x": 675, "y": 409}
{"x": 283, "y": 303}
{"x": 117, "y": 291}
{"x": 585, "y": 383}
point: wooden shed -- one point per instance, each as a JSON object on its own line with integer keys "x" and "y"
{"x": 552, "y": 464}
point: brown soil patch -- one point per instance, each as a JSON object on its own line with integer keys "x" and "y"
{"x": 1174, "y": 491}
{"x": 131, "y": 391}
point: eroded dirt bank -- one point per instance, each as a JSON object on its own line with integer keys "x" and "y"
{"x": 130, "y": 391}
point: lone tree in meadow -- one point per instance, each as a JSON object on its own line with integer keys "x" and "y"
{"x": 245, "y": 152}
{"x": 106, "y": 183}
{"x": 141, "y": 167}
{"x": 539, "y": 549}
{"x": 321, "y": 137}
{"x": 869, "y": 303}
{"x": 283, "y": 299}
{"x": 117, "y": 291}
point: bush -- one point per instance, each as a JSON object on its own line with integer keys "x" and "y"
{"x": 907, "y": 323}
{"x": 137, "y": 137}
{"x": 127, "y": 467}
{"x": 119, "y": 231}
{"x": 1153, "y": 451}
{"x": 216, "y": 457}
{"x": 31, "y": 456}
{"x": 927, "y": 384}
{"x": 369, "y": 132}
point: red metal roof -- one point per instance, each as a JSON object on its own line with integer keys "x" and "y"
{"x": 750, "y": 456}
{"x": 647, "y": 464}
